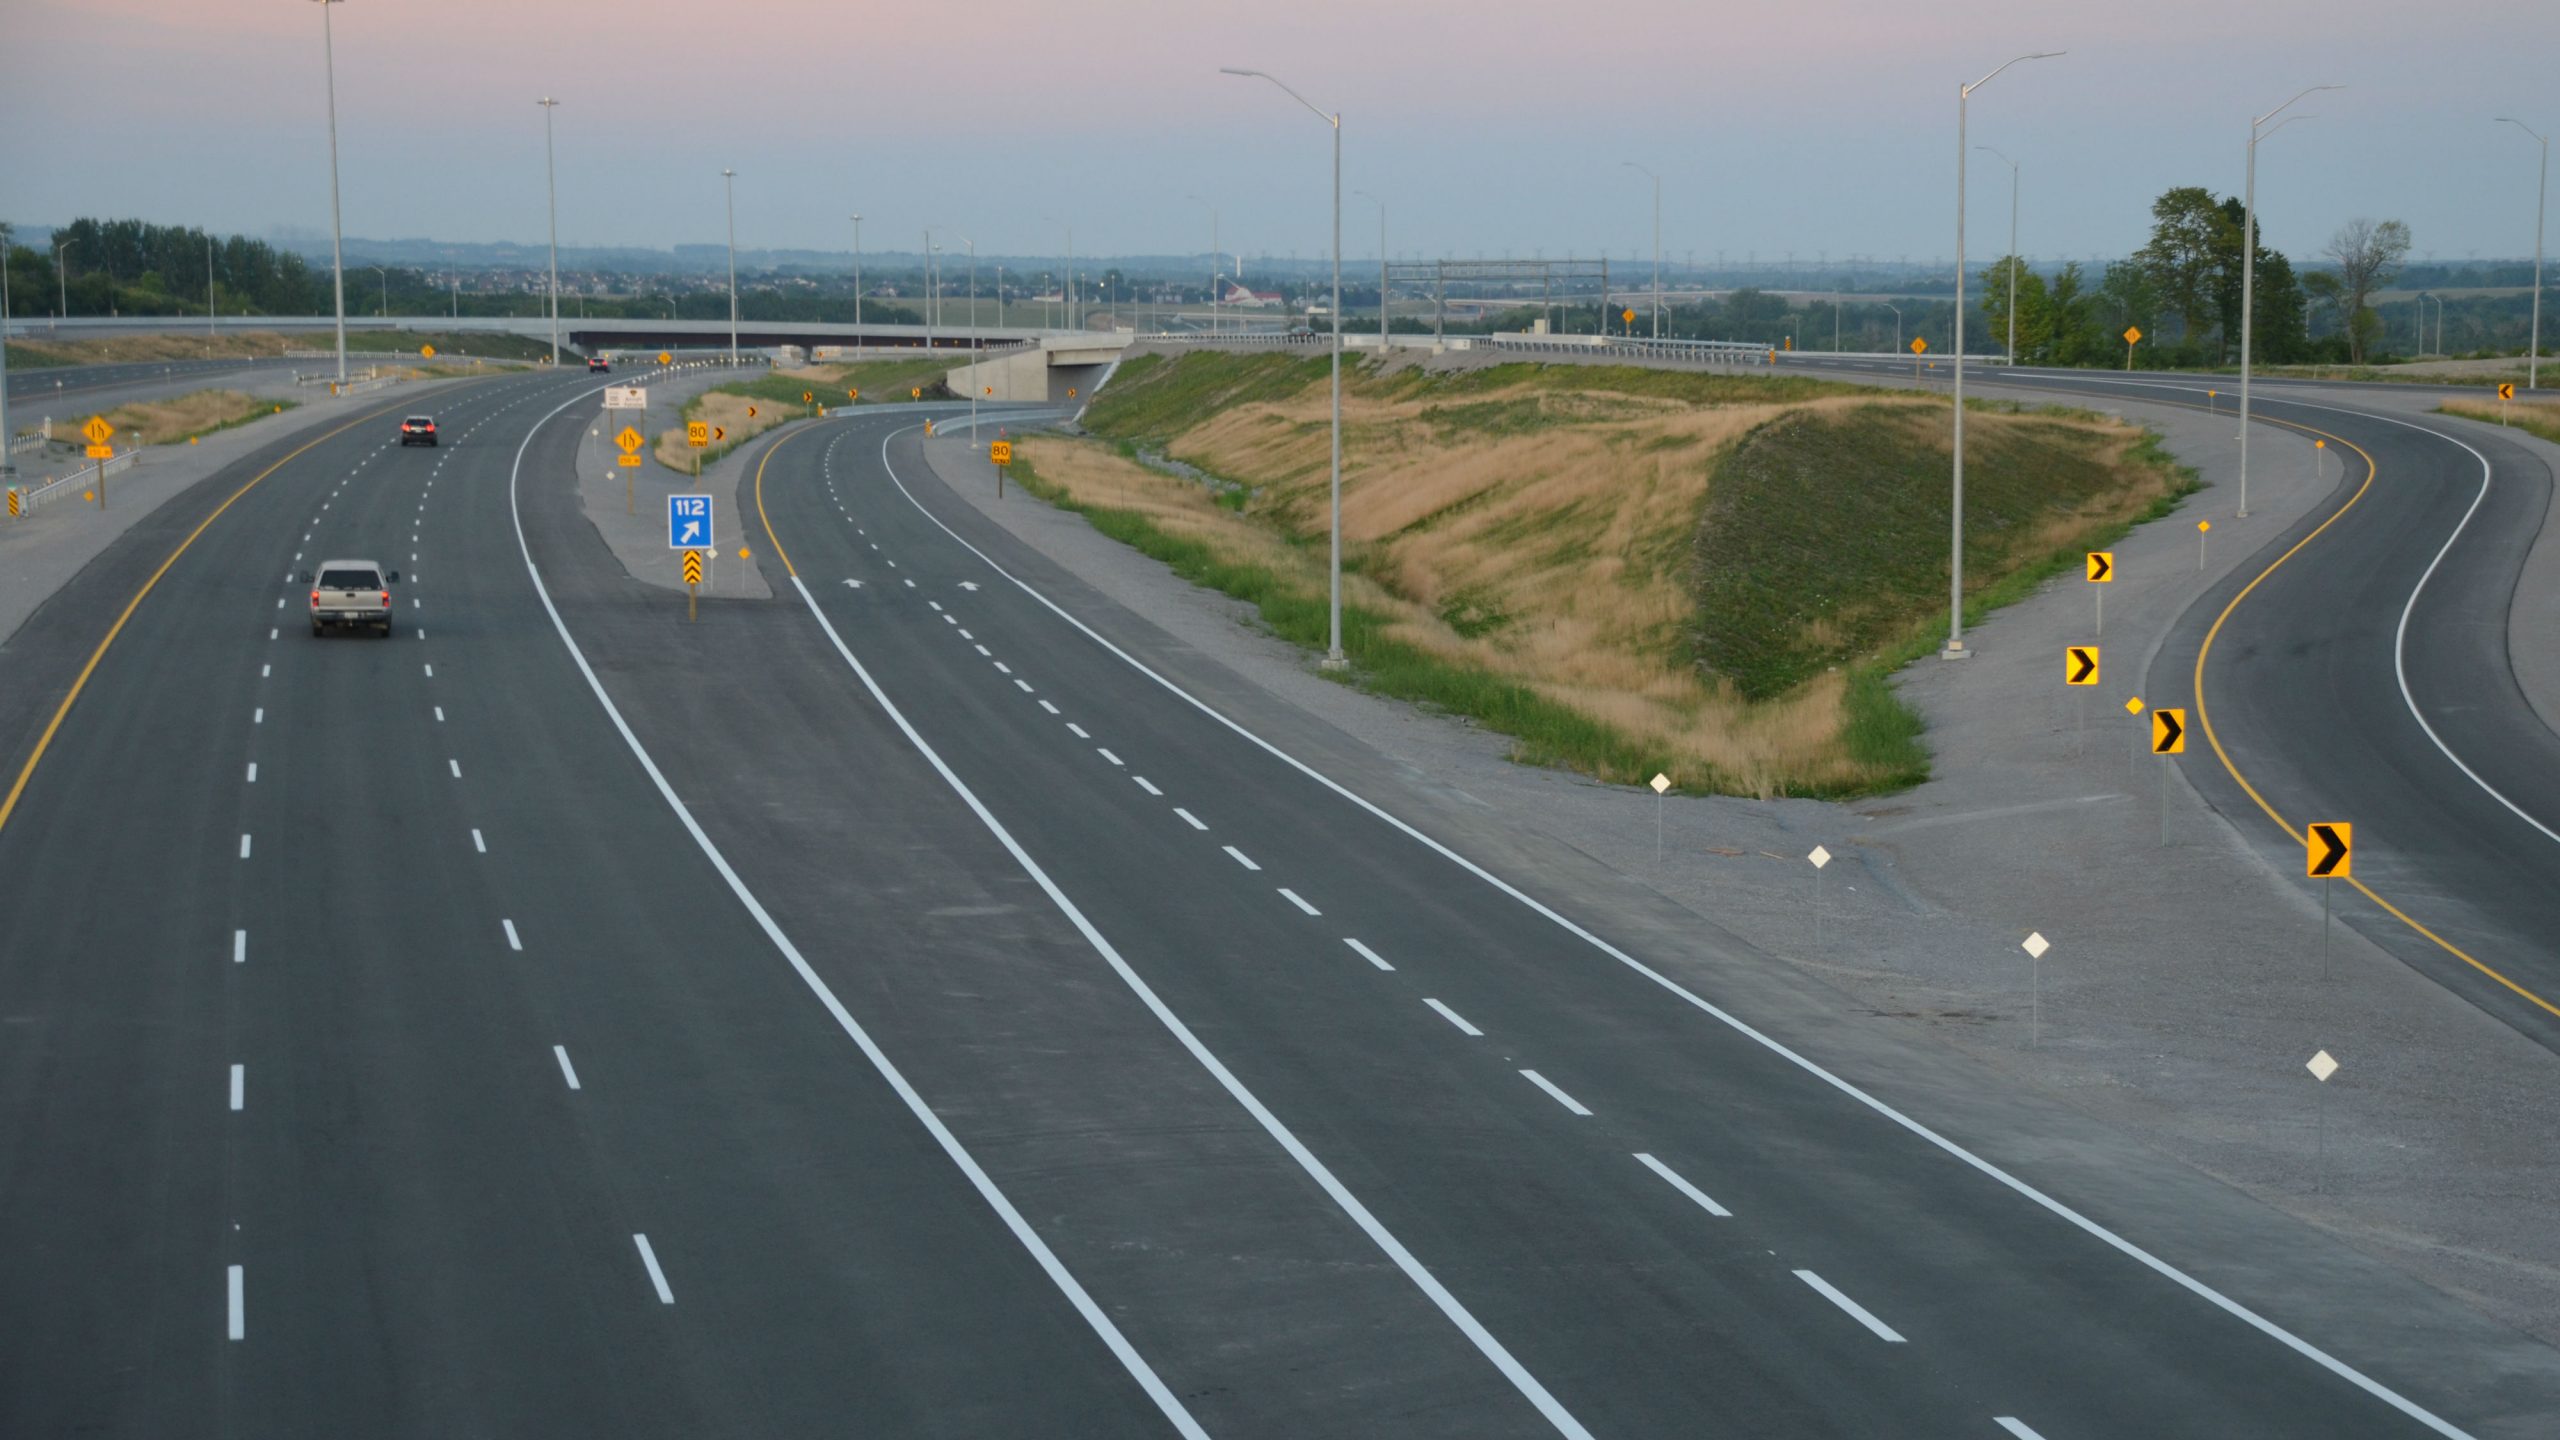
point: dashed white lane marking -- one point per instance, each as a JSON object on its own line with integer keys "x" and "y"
{"x": 568, "y": 1071}
{"x": 1856, "y": 1311}
{"x": 1003, "y": 669}
{"x": 1294, "y": 898}
{"x": 253, "y": 772}
{"x": 2015, "y": 1426}
{"x": 266, "y": 670}
{"x": 1683, "y": 1186}
{"x": 1453, "y": 1017}
{"x": 456, "y": 767}
{"x": 911, "y": 584}
{"x": 1107, "y": 755}
{"x": 439, "y": 714}
{"x": 279, "y": 602}
{"x": 1077, "y": 730}
{"x": 477, "y": 843}
{"x": 1194, "y": 821}
{"x": 512, "y": 942}
{"x": 244, "y": 844}
{"x": 239, "y": 1087}
{"x": 258, "y": 716}
{"x": 239, "y": 947}
{"x": 965, "y": 635}
{"x": 1241, "y": 858}
{"x": 239, "y": 1307}
{"x": 271, "y": 632}
{"x": 1045, "y": 705}
{"x": 1144, "y": 785}
{"x": 983, "y": 650}
{"x": 936, "y": 604}
{"x": 950, "y": 619}
{"x": 657, "y": 1276}
{"x": 431, "y": 672}
{"x": 1023, "y": 685}
{"x": 1561, "y": 1098}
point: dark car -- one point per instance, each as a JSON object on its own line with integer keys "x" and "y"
{"x": 596, "y": 365}
{"x": 418, "y": 430}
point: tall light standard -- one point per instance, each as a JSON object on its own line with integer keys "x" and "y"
{"x": 1067, "y": 277}
{"x": 1955, "y": 578}
{"x": 8, "y": 466}
{"x": 208, "y": 285}
{"x": 973, "y": 340}
{"x": 1897, "y": 326}
{"x": 1213, "y": 259}
{"x": 1382, "y": 267}
{"x": 1333, "y": 658}
{"x": 729, "y": 183}
{"x": 2542, "y": 192}
{"x": 2013, "y": 250}
{"x": 551, "y": 191}
{"x": 2258, "y": 130}
{"x": 857, "y": 284}
{"x": 62, "y": 275}
{"x": 337, "y": 232}
{"x": 1657, "y": 243}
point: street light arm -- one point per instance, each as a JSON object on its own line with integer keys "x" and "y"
{"x": 2005, "y": 64}
{"x": 2289, "y": 104}
{"x": 1333, "y": 120}
{"x": 2529, "y": 130}
{"x": 2289, "y": 119}
{"x": 1996, "y": 150}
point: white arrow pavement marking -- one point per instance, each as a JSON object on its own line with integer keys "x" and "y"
{"x": 968, "y": 584}
{"x": 854, "y": 584}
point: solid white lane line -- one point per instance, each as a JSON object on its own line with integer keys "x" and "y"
{"x": 1194, "y": 821}
{"x": 1856, "y": 1311}
{"x": 512, "y": 942}
{"x": 1143, "y": 785}
{"x": 1045, "y": 705}
{"x": 1561, "y": 1098}
{"x": 1107, "y": 755}
{"x": 1240, "y": 857}
{"x": 477, "y": 843}
{"x": 253, "y": 772}
{"x": 1363, "y": 951}
{"x": 1077, "y": 730}
{"x": 456, "y": 767}
{"x": 1683, "y": 1186}
{"x": 1294, "y": 898}
{"x": 239, "y": 1329}
{"x": 2015, "y": 1426}
{"x": 1704, "y": 1006}
{"x": 1023, "y": 685}
{"x": 568, "y": 1071}
{"x": 1452, "y": 1016}
{"x": 244, "y": 844}
{"x": 239, "y": 1087}
{"x": 1093, "y": 1315}
{"x": 239, "y": 947}
{"x": 657, "y": 1276}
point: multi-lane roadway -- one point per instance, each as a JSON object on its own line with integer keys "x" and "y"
{"x": 933, "y": 1002}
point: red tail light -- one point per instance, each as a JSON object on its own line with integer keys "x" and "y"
{"x": 315, "y": 599}
{"x": 386, "y": 599}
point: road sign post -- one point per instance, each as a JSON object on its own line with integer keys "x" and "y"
{"x": 2102, "y": 571}
{"x": 692, "y": 581}
{"x": 1001, "y": 454}
{"x": 100, "y": 433}
{"x": 2328, "y": 856}
{"x": 2035, "y": 945}
{"x": 2132, "y": 337}
{"x": 2203, "y": 528}
{"x": 2168, "y": 737}
{"x": 2506, "y": 394}
{"x": 1820, "y": 858}
{"x": 1919, "y": 347}
{"x": 1661, "y": 786}
{"x": 2321, "y": 1066}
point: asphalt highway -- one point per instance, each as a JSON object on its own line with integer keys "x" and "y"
{"x": 923, "y": 1003}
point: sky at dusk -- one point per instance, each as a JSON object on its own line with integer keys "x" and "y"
{"x": 1494, "y": 128}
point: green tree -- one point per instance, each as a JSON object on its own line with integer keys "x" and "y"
{"x": 2035, "y": 320}
{"x": 2193, "y": 247}
{"x": 2071, "y": 319}
{"x": 2367, "y": 255}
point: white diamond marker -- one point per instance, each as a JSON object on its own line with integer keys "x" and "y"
{"x": 2035, "y": 945}
{"x": 1820, "y": 857}
{"x": 2322, "y": 1067}
{"x": 1661, "y": 783}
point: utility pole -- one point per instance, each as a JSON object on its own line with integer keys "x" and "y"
{"x": 1955, "y": 568}
{"x": 337, "y": 231}
{"x": 2249, "y": 274}
{"x": 2541, "y": 196}
{"x": 729, "y": 182}
{"x": 551, "y": 189}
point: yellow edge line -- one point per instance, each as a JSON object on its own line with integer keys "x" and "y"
{"x": 44, "y": 742}
{"x": 767, "y": 520}
{"x": 2204, "y": 716}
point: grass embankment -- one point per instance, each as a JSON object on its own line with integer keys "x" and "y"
{"x": 2534, "y": 417}
{"x": 1624, "y": 570}
{"x": 245, "y": 344}
{"x": 775, "y": 398}
{"x": 182, "y": 418}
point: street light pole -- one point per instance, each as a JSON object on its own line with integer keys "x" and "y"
{"x": 1382, "y": 269}
{"x": 337, "y": 231}
{"x": 1333, "y": 658}
{"x": 62, "y": 277}
{"x": 729, "y": 185}
{"x": 2541, "y": 194}
{"x": 1955, "y": 569}
{"x": 2013, "y": 250}
{"x": 1897, "y": 326}
{"x": 1657, "y": 244}
{"x": 2258, "y": 130}
{"x": 208, "y": 286}
{"x": 857, "y": 284}
{"x": 1067, "y": 277}
{"x": 1213, "y": 261}
{"x": 551, "y": 192}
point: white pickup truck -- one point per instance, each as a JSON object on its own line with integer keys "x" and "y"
{"x": 351, "y": 593}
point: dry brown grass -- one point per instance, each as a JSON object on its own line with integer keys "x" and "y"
{"x": 723, "y": 411}
{"x": 173, "y": 420}
{"x": 171, "y": 345}
{"x": 2537, "y": 416}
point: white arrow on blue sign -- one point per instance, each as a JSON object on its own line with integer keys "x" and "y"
{"x": 689, "y": 522}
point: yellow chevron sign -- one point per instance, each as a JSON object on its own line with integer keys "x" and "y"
{"x": 693, "y": 567}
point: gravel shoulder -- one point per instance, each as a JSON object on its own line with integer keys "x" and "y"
{"x": 2178, "y": 1002}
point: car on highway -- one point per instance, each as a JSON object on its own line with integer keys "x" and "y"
{"x": 418, "y": 430}
{"x": 351, "y": 593}
{"x": 596, "y": 365}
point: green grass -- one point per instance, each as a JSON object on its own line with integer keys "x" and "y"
{"x": 1544, "y": 732}
{"x": 22, "y": 358}
{"x": 475, "y": 345}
